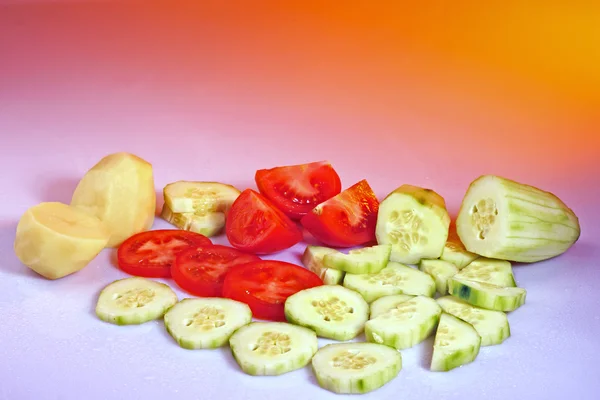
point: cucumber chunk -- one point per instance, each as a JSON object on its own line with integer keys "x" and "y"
{"x": 134, "y": 301}
{"x": 209, "y": 225}
{"x": 485, "y": 295}
{"x": 405, "y": 325}
{"x": 415, "y": 222}
{"x": 492, "y": 326}
{"x": 367, "y": 260}
{"x": 332, "y": 311}
{"x": 396, "y": 278}
{"x": 200, "y": 198}
{"x": 272, "y": 348}
{"x": 455, "y": 251}
{"x": 503, "y": 219}
{"x": 355, "y": 368}
{"x": 456, "y": 343}
{"x": 205, "y": 323}
{"x": 440, "y": 271}
{"x": 312, "y": 259}
{"x": 386, "y": 303}
{"x": 487, "y": 270}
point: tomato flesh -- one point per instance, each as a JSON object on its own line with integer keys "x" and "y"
{"x": 255, "y": 225}
{"x": 297, "y": 189}
{"x": 151, "y": 253}
{"x": 346, "y": 220}
{"x": 265, "y": 285}
{"x": 201, "y": 270}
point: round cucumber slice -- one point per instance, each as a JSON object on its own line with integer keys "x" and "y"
{"x": 405, "y": 325}
{"x": 487, "y": 270}
{"x": 312, "y": 259}
{"x": 386, "y": 303}
{"x": 332, "y": 311}
{"x": 355, "y": 368}
{"x": 272, "y": 348}
{"x": 456, "y": 343}
{"x": 133, "y": 301}
{"x": 440, "y": 271}
{"x": 485, "y": 295}
{"x": 205, "y": 323}
{"x": 367, "y": 260}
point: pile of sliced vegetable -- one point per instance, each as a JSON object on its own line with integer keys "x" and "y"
{"x": 397, "y": 271}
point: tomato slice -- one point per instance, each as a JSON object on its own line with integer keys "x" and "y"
{"x": 297, "y": 189}
{"x": 201, "y": 270}
{"x": 151, "y": 253}
{"x": 265, "y": 285}
{"x": 255, "y": 225}
{"x": 345, "y": 220}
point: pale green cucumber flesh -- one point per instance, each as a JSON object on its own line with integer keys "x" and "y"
{"x": 440, "y": 271}
{"x": 355, "y": 368}
{"x": 456, "y": 343}
{"x": 487, "y": 296}
{"x": 396, "y": 278}
{"x": 487, "y": 270}
{"x": 455, "y": 253}
{"x": 312, "y": 259}
{"x": 133, "y": 301}
{"x": 492, "y": 326}
{"x": 367, "y": 260}
{"x": 405, "y": 325}
{"x": 272, "y": 348}
{"x": 386, "y": 303}
{"x": 205, "y": 323}
{"x": 332, "y": 311}
{"x": 199, "y": 197}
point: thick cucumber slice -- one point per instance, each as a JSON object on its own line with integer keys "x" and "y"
{"x": 440, "y": 271}
{"x": 487, "y": 296}
{"x": 205, "y": 323}
{"x": 355, "y": 368}
{"x": 455, "y": 251}
{"x": 199, "y": 198}
{"x": 209, "y": 224}
{"x": 492, "y": 326}
{"x": 312, "y": 259}
{"x": 368, "y": 260}
{"x": 405, "y": 325}
{"x": 487, "y": 270}
{"x": 386, "y": 303}
{"x": 503, "y": 219}
{"x": 272, "y": 348}
{"x": 396, "y": 278}
{"x": 134, "y": 301}
{"x": 332, "y": 311}
{"x": 456, "y": 343}
{"x": 415, "y": 222}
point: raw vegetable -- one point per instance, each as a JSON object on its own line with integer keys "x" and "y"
{"x": 440, "y": 271}
{"x": 454, "y": 250}
{"x": 486, "y": 295}
{"x": 386, "y": 303}
{"x": 366, "y": 260}
{"x": 456, "y": 343}
{"x": 199, "y": 198}
{"x": 312, "y": 258}
{"x": 486, "y": 270}
{"x": 210, "y": 224}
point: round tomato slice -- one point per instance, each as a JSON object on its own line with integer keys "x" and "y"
{"x": 346, "y": 220}
{"x": 255, "y": 225}
{"x": 265, "y": 285}
{"x": 297, "y": 189}
{"x": 201, "y": 270}
{"x": 151, "y": 253}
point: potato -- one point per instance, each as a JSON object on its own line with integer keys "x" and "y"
{"x": 119, "y": 190}
{"x": 56, "y": 240}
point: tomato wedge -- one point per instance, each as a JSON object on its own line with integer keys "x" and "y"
{"x": 265, "y": 285}
{"x": 345, "y": 220}
{"x": 255, "y": 225}
{"x": 201, "y": 270}
{"x": 151, "y": 253}
{"x": 297, "y": 189}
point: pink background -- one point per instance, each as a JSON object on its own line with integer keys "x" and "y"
{"x": 207, "y": 91}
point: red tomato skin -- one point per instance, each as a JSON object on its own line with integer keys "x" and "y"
{"x": 236, "y": 288}
{"x": 250, "y": 210}
{"x": 331, "y": 225}
{"x": 319, "y": 174}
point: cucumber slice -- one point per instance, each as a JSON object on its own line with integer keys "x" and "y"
{"x": 415, "y": 222}
{"x": 456, "y": 343}
{"x": 134, "y": 301}
{"x": 367, "y": 260}
{"x": 209, "y": 224}
{"x": 386, "y": 303}
{"x": 396, "y": 278}
{"x": 503, "y": 219}
{"x": 205, "y": 323}
{"x": 455, "y": 251}
{"x": 355, "y": 368}
{"x": 487, "y": 270}
{"x": 440, "y": 271}
{"x": 492, "y": 326}
{"x": 199, "y": 198}
{"x": 405, "y": 325}
{"x": 312, "y": 259}
{"x": 332, "y": 311}
{"x": 272, "y": 348}
{"x": 487, "y": 296}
